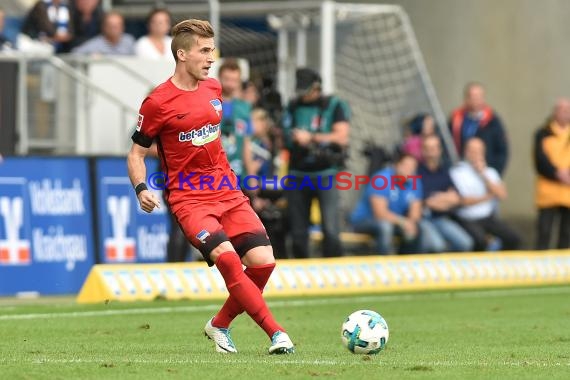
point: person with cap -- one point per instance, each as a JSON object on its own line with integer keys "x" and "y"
{"x": 316, "y": 129}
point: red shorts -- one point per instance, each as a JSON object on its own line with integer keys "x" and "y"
{"x": 208, "y": 224}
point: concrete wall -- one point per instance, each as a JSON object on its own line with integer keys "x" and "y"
{"x": 518, "y": 49}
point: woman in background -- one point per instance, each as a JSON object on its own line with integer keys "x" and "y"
{"x": 156, "y": 44}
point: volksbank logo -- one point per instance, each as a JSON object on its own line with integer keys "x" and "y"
{"x": 51, "y": 197}
{"x": 35, "y": 227}
{"x": 119, "y": 247}
{"x": 13, "y": 250}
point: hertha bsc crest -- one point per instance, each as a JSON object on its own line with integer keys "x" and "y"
{"x": 217, "y": 105}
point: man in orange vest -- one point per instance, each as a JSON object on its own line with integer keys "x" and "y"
{"x": 552, "y": 162}
{"x": 475, "y": 118}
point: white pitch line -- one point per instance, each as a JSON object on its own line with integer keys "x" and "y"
{"x": 303, "y": 302}
{"x": 223, "y": 359}
{"x": 279, "y": 361}
{"x": 104, "y": 313}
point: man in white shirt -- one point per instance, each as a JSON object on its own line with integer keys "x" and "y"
{"x": 480, "y": 188}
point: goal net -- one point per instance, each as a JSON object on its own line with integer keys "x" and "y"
{"x": 257, "y": 47}
{"x": 378, "y": 68}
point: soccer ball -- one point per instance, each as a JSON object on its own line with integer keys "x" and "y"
{"x": 365, "y": 332}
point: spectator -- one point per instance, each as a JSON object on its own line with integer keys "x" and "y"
{"x": 49, "y": 21}
{"x": 269, "y": 203}
{"x": 251, "y": 93}
{"x": 86, "y": 19}
{"x": 476, "y": 118}
{"x": 441, "y": 197}
{"x": 236, "y": 119}
{"x": 419, "y": 127}
{"x": 261, "y": 142}
{"x": 480, "y": 188}
{"x": 262, "y": 95}
{"x": 388, "y": 211}
{"x": 552, "y": 161}
{"x": 5, "y": 44}
{"x": 316, "y": 128}
{"x": 246, "y": 158}
{"x": 270, "y": 99}
{"x": 112, "y": 41}
{"x": 156, "y": 45}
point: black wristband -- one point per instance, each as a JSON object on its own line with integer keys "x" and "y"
{"x": 140, "y": 187}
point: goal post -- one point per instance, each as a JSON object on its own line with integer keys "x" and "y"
{"x": 370, "y": 56}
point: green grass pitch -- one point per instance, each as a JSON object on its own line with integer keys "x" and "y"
{"x": 519, "y": 333}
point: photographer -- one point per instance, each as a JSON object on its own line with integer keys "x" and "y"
{"x": 316, "y": 129}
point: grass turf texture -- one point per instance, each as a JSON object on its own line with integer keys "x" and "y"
{"x": 511, "y": 333}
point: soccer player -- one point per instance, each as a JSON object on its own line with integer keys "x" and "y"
{"x": 183, "y": 115}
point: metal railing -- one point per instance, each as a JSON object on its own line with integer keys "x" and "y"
{"x": 48, "y": 107}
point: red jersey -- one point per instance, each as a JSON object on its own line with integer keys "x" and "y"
{"x": 186, "y": 127}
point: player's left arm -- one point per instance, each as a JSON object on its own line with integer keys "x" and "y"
{"x": 340, "y": 127}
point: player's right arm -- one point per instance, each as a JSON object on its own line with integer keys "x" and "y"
{"x": 148, "y": 127}
{"x": 137, "y": 173}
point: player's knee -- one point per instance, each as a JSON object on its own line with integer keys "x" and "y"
{"x": 262, "y": 255}
{"x": 225, "y": 246}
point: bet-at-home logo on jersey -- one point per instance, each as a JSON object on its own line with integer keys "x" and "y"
{"x": 119, "y": 247}
{"x": 202, "y": 136}
{"x": 13, "y": 250}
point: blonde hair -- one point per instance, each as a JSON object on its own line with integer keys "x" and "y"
{"x": 184, "y": 32}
